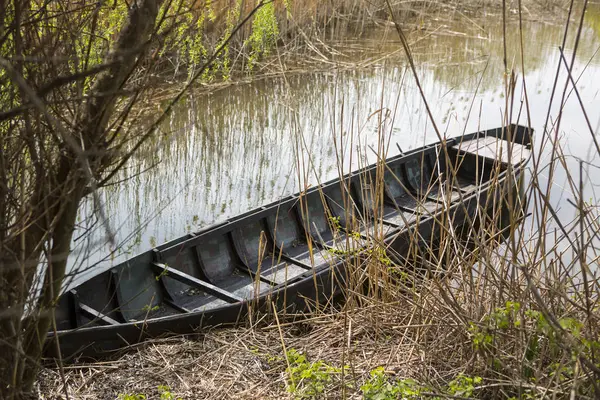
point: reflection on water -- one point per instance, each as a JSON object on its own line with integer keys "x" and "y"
{"x": 225, "y": 153}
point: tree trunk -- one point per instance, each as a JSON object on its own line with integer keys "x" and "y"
{"x": 54, "y": 209}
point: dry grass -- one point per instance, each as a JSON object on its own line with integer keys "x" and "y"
{"x": 250, "y": 363}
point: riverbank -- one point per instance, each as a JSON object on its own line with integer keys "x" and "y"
{"x": 288, "y": 31}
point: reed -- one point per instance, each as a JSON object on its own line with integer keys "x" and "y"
{"x": 193, "y": 29}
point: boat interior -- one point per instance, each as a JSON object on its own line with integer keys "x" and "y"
{"x": 272, "y": 247}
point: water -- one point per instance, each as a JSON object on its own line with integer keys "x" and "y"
{"x": 238, "y": 148}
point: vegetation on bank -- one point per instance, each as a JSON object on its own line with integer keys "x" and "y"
{"x": 189, "y": 31}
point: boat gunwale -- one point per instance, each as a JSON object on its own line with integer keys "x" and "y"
{"x": 226, "y": 226}
{"x": 257, "y": 213}
{"x": 278, "y": 289}
{"x": 498, "y": 132}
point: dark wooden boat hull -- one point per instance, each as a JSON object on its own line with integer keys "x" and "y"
{"x": 219, "y": 275}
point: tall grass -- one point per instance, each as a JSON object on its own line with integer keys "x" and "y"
{"x": 508, "y": 308}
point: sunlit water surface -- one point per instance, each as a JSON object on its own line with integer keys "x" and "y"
{"x": 225, "y": 153}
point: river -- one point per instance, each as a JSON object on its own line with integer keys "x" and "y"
{"x": 229, "y": 151}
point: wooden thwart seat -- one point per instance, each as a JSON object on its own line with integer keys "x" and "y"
{"x": 89, "y": 312}
{"x": 93, "y": 314}
{"x": 163, "y": 270}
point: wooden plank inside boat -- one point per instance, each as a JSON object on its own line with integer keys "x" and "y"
{"x": 495, "y": 149}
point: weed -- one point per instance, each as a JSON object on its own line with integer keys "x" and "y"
{"x": 335, "y": 223}
{"x": 148, "y": 308}
{"x": 545, "y": 351}
{"x": 164, "y": 272}
{"x": 379, "y": 387}
{"x": 379, "y": 254}
{"x": 309, "y": 379}
{"x": 463, "y": 385}
{"x": 502, "y": 318}
{"x": 133, "y": 396}
{"x": 165, "y": 393}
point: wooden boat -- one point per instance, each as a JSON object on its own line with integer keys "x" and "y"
{"x": 284, "y": 254}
